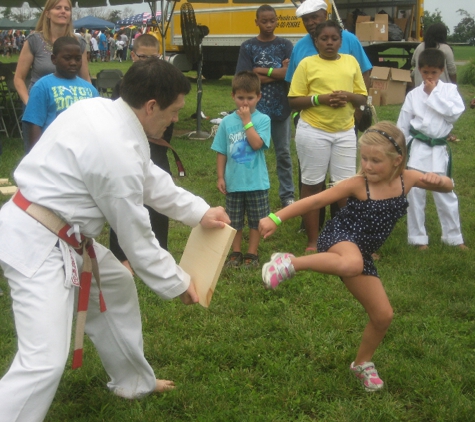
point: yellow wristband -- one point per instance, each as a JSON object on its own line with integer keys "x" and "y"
{"x": 248, "y": 126}
{"x": 275, "y": 219}
{"x": 270, "y": 71}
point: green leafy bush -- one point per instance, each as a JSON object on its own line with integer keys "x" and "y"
{"x": 467, "y": 73}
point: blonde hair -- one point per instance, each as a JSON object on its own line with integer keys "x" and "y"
{"x": 44, "y": 23}
{"x": 374, "y": 138}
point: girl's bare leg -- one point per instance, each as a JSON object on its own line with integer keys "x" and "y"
{"x": 343, "y": 260}
{"x": 369, "y": 291}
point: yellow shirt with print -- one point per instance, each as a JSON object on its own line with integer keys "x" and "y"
{"x": 315, "y": 75}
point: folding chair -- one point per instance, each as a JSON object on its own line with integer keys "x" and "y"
{"x": 107, "y": 80}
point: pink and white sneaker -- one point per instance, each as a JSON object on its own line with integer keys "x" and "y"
{"x": 368, "y": 375}
{"x": 278, "y": 269}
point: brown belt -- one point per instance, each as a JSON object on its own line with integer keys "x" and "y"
{"x": 163, "y": 143}
{"x": 90, "y": 267}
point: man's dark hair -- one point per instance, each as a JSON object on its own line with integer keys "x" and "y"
{"x": 246, "y": 81}
{"x": 264, "y": 8}
{"x": 321, "y": 26}
{"x": 146, "y": 40}
{"x": 432, "y": 57}
{"x": 153, "y": 79}
{"x": 434, "y": 35}
{"x": 62, "y": 42}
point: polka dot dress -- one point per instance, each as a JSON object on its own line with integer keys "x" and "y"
{"x": 366, "y": 223}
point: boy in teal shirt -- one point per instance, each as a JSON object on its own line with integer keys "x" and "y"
{"x": 240, "y": 142}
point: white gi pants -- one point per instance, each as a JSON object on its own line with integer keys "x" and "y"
{"x": 447, "y": 209}
{"x": 43, "y": 309}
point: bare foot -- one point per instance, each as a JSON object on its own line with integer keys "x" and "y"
{"x": 423, "y": 247}
{"x": 462, "y": 247}
{"x": 163, "y": 386}
{"x": 126, "y": 264}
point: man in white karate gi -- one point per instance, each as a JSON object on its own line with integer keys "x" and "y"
{"x": 92, "y": 165}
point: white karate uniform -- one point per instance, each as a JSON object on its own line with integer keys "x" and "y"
{"x": 433, "y": 115}
{"x": 91, "y": 165}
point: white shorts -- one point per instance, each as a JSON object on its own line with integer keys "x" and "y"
{"x": 320, "y": 152}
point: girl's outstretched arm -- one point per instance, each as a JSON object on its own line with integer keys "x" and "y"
{"x": 341, "y": 190}
{"x": 429, "y": 181}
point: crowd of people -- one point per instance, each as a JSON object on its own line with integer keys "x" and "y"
{"x": 11, "y": 42}
{"x": 91, "y": 160}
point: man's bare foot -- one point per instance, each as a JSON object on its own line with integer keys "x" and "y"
{"x": 423, "y": 247}
{"x": 126, "y": 264}
{"x": 463, "y": 247}
{"x": 163, "y": 386}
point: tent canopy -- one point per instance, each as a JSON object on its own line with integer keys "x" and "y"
{"x": 31, "y": 24}
{"x": 91, "y": 22}
{"x": 8, "y": 24}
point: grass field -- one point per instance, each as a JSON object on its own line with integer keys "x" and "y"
{"x": 258, "y": 355}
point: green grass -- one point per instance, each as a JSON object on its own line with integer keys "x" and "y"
{"x": 258, "y": 355}
{"x": 463, "y": 52}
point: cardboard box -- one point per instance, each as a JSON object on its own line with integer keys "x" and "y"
{"x": 402, "y": 23}
{"x": 391, "y": 82}
{"x": 375, "y": 95}
{"x": 372, "y": 31}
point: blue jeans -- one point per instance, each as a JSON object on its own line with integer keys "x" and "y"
{"x": 280, "y": 133}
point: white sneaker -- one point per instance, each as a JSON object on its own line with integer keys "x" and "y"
{"x": 368, "y": 375}
{"x": 277, "y": 270}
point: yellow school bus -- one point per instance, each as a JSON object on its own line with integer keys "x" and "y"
{"x": 231, "y": 22}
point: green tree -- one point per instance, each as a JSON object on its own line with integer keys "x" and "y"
{"x": 430, "y": 18}
{"x": 114, "y": 16}
{"x": 465, "y": 29}
{"x": 7, "y": 12}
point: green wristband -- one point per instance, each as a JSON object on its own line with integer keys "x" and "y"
{"x": 275, "y": 219}
{"x": 295, "y": 115}
{"x": 270, "y": 71}
{"x": 248, "y": 126}
{"x": 315, "y": 100}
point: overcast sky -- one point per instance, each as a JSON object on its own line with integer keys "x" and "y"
{"x": 448, "y": 9}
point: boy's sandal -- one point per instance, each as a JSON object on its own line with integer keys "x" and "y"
{"x": 234, "y": 260}
{"x": 250, "y": 261}
{"x": 310, "y": 250}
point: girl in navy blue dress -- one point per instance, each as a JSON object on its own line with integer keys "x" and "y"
{"x": 376, "y": 200}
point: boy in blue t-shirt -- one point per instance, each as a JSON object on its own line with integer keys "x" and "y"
{"x": 54, "y": 93}
{"x": 240, "y": 142}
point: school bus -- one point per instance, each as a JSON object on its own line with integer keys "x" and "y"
{"x": 231, "y": 22}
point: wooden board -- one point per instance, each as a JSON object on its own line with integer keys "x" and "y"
{"x": 204, "y": 257}
{"x": 8, "y": 190}
{"x": 4, "y": 181}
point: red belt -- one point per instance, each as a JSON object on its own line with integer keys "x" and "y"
{"x": 85, "y": 248}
